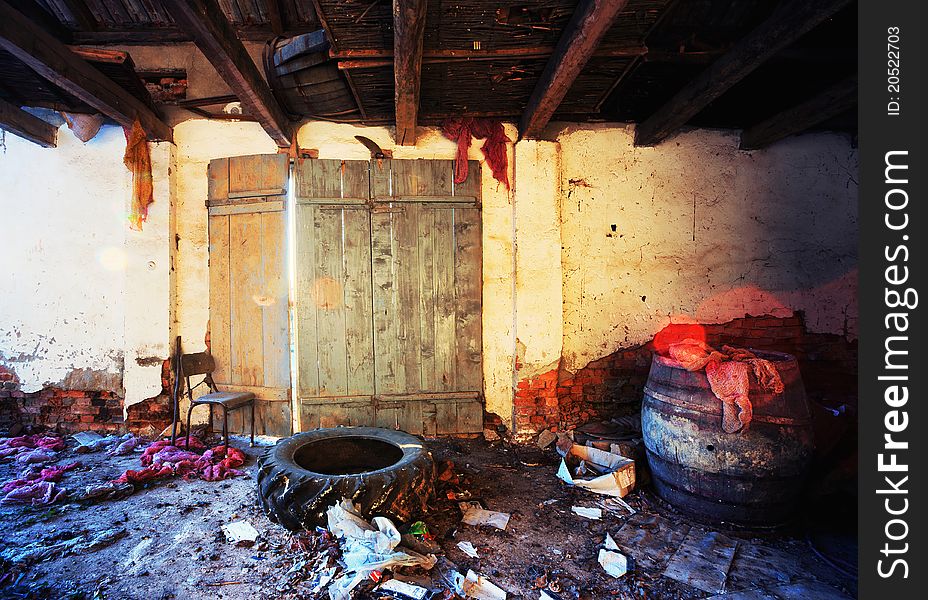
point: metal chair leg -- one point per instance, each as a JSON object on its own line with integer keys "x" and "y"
{"x": 189, "y": 412}
{"x": 225, "y": 428}
{"x": 252, "y": 424}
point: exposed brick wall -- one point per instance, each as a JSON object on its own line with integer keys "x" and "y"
{"x": 69, "y": 411}
{"x": 614, "y": 384}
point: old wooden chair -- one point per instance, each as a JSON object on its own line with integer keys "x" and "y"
{"x": 201, "y": 363}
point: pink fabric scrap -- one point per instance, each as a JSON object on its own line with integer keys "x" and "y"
{"x": 36, "y": 493}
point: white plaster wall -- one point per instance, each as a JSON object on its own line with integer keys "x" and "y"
{"x": 538, "y": 270}
{"x": 704, "y": 231}
{"x": 79, "y": 292}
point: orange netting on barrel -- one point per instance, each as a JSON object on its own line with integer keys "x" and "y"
{"x": 728, "y": 373}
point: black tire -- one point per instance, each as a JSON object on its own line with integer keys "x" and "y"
{"x": 387, "y": 473}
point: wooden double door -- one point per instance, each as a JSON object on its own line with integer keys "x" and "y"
{"x": 386, "y": 296}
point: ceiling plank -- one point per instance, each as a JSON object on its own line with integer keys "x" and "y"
{"x": 408, "y": 37}
{"x": 56, "y": 63}
{"x": 818, "y": 109}
{"x": 274, "y": 16}
{"x": 215, "y": 37}
{"x": 82, "y": 14}
{"x": 577, "y": 44}
{"x": 787, "y": 24}
{"x": 27, "y": 126}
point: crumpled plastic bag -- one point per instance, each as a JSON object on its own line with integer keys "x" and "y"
{"x": 366, "y": 548}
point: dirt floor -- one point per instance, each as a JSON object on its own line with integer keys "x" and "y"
{"x": 165, "y": 541}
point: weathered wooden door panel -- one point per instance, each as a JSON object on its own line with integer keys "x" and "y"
{"x": 388, "y": 307}
{"x": 333, "y": 287}
{"x": 427, "y": 285}
{"x": 249, "y": 322}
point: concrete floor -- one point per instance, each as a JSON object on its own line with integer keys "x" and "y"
{"x": 165, "y": 541}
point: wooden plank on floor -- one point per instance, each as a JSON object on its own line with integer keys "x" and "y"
{"x": 219, "y": 297}
{"x": 703, "y": 560}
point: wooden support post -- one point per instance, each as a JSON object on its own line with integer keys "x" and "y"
{"x": 215, "y": 37}
{"x": 823, "y": 106}
{"x": 589, "y": 23}
{"x": 55, "y": 62}
{"x": 408, "y": 36}
{"x": 27, "y": 126}
{"x": 790, "y": 21}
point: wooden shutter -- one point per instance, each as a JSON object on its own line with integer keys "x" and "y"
{"x": 249, "y": 331}
{"x": 333, "y": 293}
{"x": 426, "y": 239}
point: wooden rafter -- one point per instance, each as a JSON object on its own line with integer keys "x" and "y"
{"x": 577, "y": 44}
{"x": 56, "y": 63}
{"x": 27, "y": 126}
{"x": 821, "y": 107}
{"x": 215, "y": 37}
{"x": 788, "y": 23}
{"x": 408, "y": 37}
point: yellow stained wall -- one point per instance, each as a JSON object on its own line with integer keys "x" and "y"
{"x": 703, "y": 231}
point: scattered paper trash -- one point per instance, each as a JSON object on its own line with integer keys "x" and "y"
{"x": 614, "y": 475}
{"x": 616, "y": 504}
{"x": 610, "y": 543}
{"x": 367, "y": 547}
{"x": 240, "y": 533}
{"x": 478, "y": 587}
{"x": 476, "y": 515}
{"x": 614, "y": 563}
{"x": 468, "y": 549}
{"x": 403, "y": 590}
{"x": 546, "y": 595}
{"x": 588, "y": 513}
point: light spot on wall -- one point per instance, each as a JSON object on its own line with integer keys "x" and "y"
{"x": 112, "y": 258}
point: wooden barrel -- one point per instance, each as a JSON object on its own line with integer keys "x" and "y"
{"x": 303, "y": 78}
{"x": 751, "y": 478}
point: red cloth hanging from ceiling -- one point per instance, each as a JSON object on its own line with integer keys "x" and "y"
{"x": 462, "y": 129}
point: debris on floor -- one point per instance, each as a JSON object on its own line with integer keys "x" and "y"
{"x": 181, "y": 538}
{"x": 478, "y": 516}
{"x": 240, "y": 533}
{"x": 613, "y": 474}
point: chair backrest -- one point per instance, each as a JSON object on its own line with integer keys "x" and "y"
{"x": 198, "y": 363}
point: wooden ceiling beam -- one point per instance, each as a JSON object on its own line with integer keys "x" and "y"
{"x": 27, "y": 126}
{"x": 215, "y": 37}
{"x": 577, "y": 44}
{"x": 790, "y": 21}
{"x": 830, "y": 103}
{"x": 174, "y": 35}
{"x": 56, "y": 63}
{"x": 408, "y": 37}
